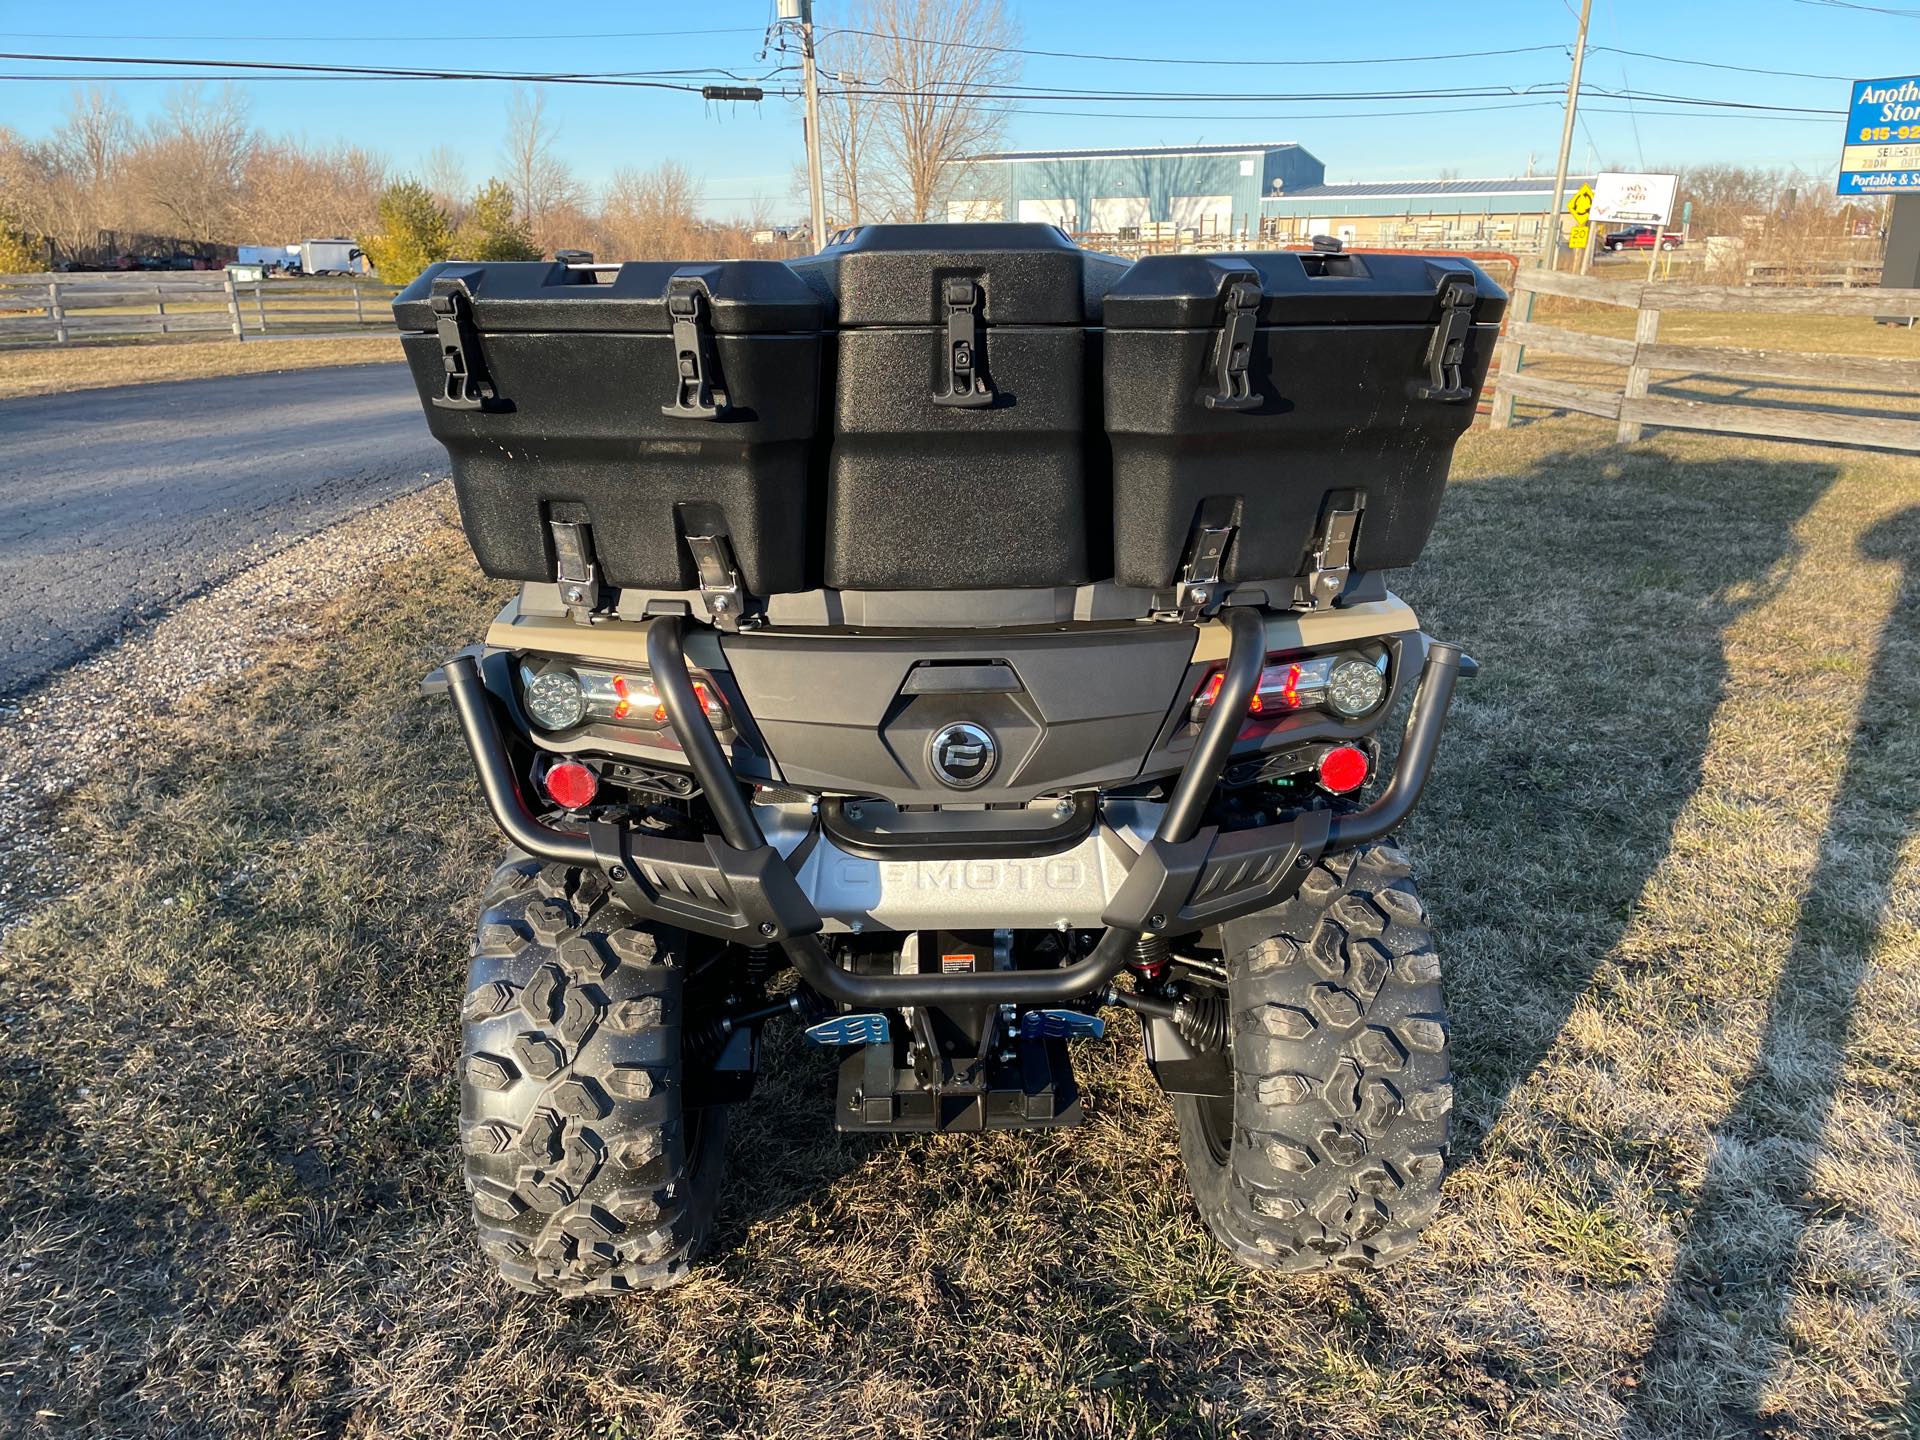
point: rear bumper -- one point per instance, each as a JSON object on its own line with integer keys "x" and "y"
{"x": 739, "y": 887}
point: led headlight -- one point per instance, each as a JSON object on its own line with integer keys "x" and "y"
{"x": 1355, "y": 686}
{"x": 555, "y": 700}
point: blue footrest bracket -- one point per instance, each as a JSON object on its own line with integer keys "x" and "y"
{"x": 857, "y": 1029}
{"x": 1060, "y": 1025}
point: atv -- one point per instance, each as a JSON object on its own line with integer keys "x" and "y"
{"x": 937, "y": 644}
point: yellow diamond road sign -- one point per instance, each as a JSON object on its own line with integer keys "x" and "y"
{"x": 1581, "y": 201}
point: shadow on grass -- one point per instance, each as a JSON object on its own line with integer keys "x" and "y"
{"x": 1596, "y": 589}
{"x": 1761, "y": 1199}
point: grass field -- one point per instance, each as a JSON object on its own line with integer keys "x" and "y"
{"x": 1671, "y": 855}
{"x": 52, "y": 370}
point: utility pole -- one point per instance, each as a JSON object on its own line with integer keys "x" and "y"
{"x": 1566, "y": 140}
{"x": 799, "y": 14}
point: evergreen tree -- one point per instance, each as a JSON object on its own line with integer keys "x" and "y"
{"x": 490, "y": 231}
{"x": 411, "y": 233}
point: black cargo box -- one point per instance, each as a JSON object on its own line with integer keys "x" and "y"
{"x": 1262, "y": 391}
{"x": 650, "y": 402}
{"x": 962, "y": 413}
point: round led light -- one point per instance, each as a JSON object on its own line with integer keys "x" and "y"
{"x": 554, "y": 700}
{"x": 1355, "y": 687}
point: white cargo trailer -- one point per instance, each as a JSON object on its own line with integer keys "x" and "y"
{"x": 330, "y": 257}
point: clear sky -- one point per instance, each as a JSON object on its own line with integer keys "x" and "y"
{"x": 745, "y": 151}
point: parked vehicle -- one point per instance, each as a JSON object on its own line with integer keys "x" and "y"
{"x": 938, "y": 643}
{"x": 328, "y": 257}
{"x": 1642, "y": 237}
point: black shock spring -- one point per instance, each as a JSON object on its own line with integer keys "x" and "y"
{"x": 759, "y": 967}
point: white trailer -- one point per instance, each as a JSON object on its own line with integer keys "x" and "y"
{"x": 330, "y": 257}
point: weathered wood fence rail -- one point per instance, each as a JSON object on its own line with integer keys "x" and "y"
{"x": 1645, "y": 355}
{"x": 64, "y": 309}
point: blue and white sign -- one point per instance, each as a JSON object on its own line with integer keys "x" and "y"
{"x": 1882, "y": 152}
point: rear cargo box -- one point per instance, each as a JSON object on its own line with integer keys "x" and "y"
{"x": 649, "y": 402}
{"x": 1263, "y": 392}
{"x": 961, "y": 414}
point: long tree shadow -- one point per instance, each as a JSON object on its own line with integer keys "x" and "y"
{"x": 1597, "y": 589}
{"x": 1761, "y": 1197}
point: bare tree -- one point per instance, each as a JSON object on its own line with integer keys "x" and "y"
{"x": 542, "y": 182}
{"x": 445, "y": 174}
{"x": 294, "y": 192}
{"x": 189, "y": 169}
{"x": 938, "y": 93}
{"x": 651, "y": 214}
{"x": 850, "y": 115}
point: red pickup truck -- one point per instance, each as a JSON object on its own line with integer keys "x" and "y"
{"x": 1642, "y": 237}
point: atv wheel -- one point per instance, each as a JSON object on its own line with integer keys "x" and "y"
{"x": 1331, "y": 1150}
{"x": 586, "y": 1176}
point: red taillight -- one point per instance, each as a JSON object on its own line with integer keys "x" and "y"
{"x": 707, "y": 703}
{"x": 570, "y": 784}
{"x": 1343, "y": 769}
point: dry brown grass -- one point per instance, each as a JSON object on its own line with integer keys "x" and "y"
{"x": 1671, "y": 853}
{"x": 54, "y": 370}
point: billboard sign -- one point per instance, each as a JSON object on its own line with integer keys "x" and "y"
{"x": 1881, "y": 155}
{"x": 1633, "y": 199}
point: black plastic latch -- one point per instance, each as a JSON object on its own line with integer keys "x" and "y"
{"x": 573, "y": 568}
{"x": 1233, "y": 345}
{"x": 699, "y": 393}
{"x": 966, "y": 364}
{"x": 467, "y": 385}
{"x": 1447, "y": 350}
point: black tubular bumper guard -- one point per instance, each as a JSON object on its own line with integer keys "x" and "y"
{"x": 737, "y": 887}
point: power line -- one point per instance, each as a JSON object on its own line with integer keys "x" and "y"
{"x": 1872, "y": 9}
{"x": 1719, "y": 65}
{"x": 1171, "y": 60}
{"x": 441, "y": 38}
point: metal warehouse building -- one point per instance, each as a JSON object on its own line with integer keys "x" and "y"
{"x": 1268, "y": 193}
{"x": 1205, "y": 189}
{"x": 1493, "y": 213}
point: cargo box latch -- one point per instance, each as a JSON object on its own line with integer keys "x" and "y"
{"x": 1233, "y": 346}
{"x": 700, "y": 393}
{"x": 967, "y": 383}
{"x": 1333, "y": 555}
{"x": 467, "y": 385}
{"x": 1447, "y": 350}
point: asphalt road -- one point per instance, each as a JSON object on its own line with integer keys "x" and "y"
{"x": 116, "y": 504}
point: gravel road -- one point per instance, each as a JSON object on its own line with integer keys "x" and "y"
{"x": 118, "y": 504}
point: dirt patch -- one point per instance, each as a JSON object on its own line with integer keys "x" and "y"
{"x": 1670, "y": 854}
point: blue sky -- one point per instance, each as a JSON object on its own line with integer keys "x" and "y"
{"x": 744, "y": 151}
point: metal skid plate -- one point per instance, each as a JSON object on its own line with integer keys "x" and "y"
{"x": 1065, "y": 890}
{"x": 1034, "y": 1091}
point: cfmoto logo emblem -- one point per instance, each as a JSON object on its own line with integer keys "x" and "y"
{"x": 962, "y": 755}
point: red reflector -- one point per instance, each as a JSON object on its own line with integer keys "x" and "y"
{"x": 1343, "y": 769}
{"x": 571, "y": 784}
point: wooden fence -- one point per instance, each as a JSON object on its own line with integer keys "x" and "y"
{"x": 67, "y": 309}
{"x": 1645, "y": 355}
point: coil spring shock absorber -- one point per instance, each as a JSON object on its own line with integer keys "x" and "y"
{"x": 759, "y": 967}
{"x": 1150, "y": 954}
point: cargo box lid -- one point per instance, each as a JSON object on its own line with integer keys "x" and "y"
{"x": 744, "y": 296}
{"x": 897, "y": 274}
{"x": 1184, "y": 292}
